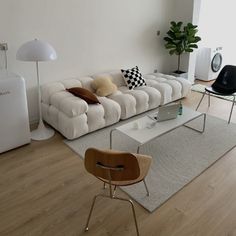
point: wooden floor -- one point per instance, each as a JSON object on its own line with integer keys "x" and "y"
{"x": 44, "y": 190}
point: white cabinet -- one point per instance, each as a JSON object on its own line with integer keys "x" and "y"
{"x": 14, "y": 120}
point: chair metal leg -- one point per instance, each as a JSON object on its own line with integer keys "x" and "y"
{"x": 133, "y": 210}
{"x": 134, "y": 215}
{"x": 114, "y": 191}
{"x": 145, "y": 184}
{"x": 90, "y": 213}
{"x": 231, "y": 111}
{"x": 201, "y": 100}
{"x": 116, "y": 198}
{"x": 209, "y": 99}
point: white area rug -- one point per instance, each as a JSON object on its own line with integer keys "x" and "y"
{"x": 178, "y": 157}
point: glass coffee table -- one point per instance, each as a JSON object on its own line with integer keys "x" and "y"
{"x": 144, "y": 129}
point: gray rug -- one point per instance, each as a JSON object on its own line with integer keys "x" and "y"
{"x": 178, "y": 157}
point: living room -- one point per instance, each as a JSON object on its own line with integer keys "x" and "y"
{"x": 45, "y": 189}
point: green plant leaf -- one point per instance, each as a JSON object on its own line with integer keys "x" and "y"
{"x": 171, "y": 34}
{"x": 167, "y": 39}
{"x": 173, "y": 23}
{"x": 190, "y": 25}
{"x": 178, "y": 35}
{"x": 181, "y": 38}
{"x": 189, "y": 50}
{"x": 193, "y": 45}
{"x": 172, "y": 52}
{"x": 169, "y": 46}
{"x": 179, "y": 24}
{"x": 197, "y": 39}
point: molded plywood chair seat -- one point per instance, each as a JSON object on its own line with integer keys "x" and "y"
{"x": 224, "y": 85}
{"x": 116, "y": 169}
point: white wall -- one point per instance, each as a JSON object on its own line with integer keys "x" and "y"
{"x": 193, "y": 55}
{"x": 216, "y": 26}
{"x": 89, "y": 36}
{"x": 182, "y": 10}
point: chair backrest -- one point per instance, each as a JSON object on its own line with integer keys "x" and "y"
{"x": 226, "y": 80}
{"x": 113, "y": 166}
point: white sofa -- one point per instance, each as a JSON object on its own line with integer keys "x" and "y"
{"x": 73, "y": 117}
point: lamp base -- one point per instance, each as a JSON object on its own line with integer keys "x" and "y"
{"x": 42, "y": 132}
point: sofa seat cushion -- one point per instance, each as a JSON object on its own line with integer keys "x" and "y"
{"x": 95, "y": 117}
{"x": 179, "y": 86}
{"x": 70, "y": 127}
{"x": 164, "y": 89}
{"x": 154, "y": 96}
{"x": 126, "y": 102}
{"x": 176, "y": 89}
{"x": 141, "y": 98}
{"x": 175, "y": 85}
{"x": 186, "y": 85}
{"x": 112, "y": 110}
{"x": 138, "y": 100}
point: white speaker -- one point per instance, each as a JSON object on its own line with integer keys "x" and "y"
{"x": 14, "y": 120}
{"x": 208, "y": 63}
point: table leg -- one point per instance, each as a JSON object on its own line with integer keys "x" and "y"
{"x": 138, "y": 149}
{"x": 203, "y": 126}
{"x": 111, "y": 137}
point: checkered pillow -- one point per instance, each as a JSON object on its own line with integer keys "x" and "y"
{"x": 133, "y": 78}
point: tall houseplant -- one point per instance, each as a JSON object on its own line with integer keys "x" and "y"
{"x": 181, "y": 39}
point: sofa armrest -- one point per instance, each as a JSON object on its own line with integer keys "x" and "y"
{"x": 68, "y": 104}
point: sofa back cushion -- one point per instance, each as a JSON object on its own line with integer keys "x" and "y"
{"x": 116, "y": 77}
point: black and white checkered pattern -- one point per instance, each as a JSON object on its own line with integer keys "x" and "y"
{"x": 133, "y": 78}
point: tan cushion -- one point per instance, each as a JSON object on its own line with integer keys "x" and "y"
{"x": 103, "y": 86}
{"x": 84, "y": 94}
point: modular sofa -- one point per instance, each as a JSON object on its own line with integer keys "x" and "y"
{"x": 73, "y": 117}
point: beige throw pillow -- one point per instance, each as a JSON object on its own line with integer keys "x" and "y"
{"x": 103, "y": 86}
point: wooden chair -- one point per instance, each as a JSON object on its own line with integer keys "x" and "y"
{"x": 116, "y": 169}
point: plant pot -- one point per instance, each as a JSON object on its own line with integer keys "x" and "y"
{"x": 179, "y": 73}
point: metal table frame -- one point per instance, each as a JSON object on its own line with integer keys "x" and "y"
{"x": 141, "y": 144}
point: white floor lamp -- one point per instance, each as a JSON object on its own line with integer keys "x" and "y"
{"x": 37, "y": 50}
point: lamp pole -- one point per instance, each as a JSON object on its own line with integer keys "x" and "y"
{"x": 41, "y": 133}
{"x": 36, "y": 51}
{"x": 40, "y": 125}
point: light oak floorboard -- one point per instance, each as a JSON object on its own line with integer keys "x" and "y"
{"x": 45, "y": 190}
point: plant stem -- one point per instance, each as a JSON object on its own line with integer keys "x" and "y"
{"x": 178, "y": 62}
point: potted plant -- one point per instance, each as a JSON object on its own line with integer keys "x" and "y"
{"x": 181, "y": 39}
